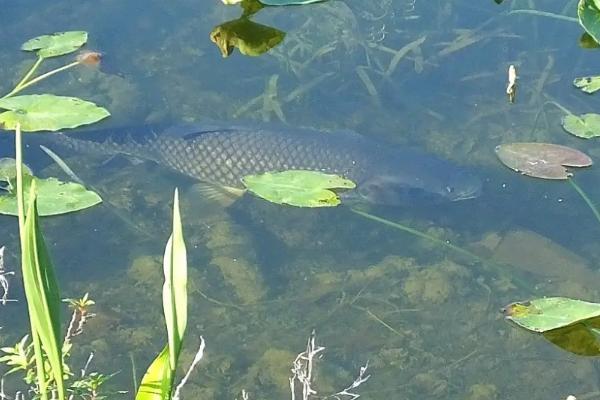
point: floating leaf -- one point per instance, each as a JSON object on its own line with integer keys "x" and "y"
{"x": 56, "y": 44}
{"x": 47, "y": 112}
{"x": 298, "y": 187}
{"x": 53, "y": 197}
{"x": 588, "y": 12}
{"x": 541, "y": 315}
{"x": 250, "y": 38}
{"x": 583, "y": 126}
{"x": 588, "y": 42}
{"x": 288, "y": 2}
{"x": 8, "y": 169}
{"x": 541, "y": 160}
{"x": 588, "y": 84}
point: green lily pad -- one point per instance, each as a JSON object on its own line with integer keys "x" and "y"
{"x": 56, "y": 44}
{"x": 53, "y": 196}
{"x": 584, "y": 126}
{"x": 288, "y": 2}
{"x": 250, "y": 38}
{"x": 549, "y": 313}
{"x": 542, "y": 160}
{"x": 8, "y": 169}
{"x": 298, "y": 188}
{"x": 588, "y": 12}
{"x": 47, "y": 112}
{"x": 588, "y": 84}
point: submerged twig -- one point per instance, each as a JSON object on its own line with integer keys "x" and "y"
{"x": 302, "y": 372}
{"x": 3, "y": 279}
{"x": 197, "y": 358}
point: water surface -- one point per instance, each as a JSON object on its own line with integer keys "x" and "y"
{"x": 261, "y": 276}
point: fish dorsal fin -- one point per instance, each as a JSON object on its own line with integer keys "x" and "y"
{"x": 224, "y": 195}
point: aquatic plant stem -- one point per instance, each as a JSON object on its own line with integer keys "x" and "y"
{"x": 499, "y": 269}
{"x": 35, "y": 66}
{"x": 41, "y": 77}
{"x": 417, "y": 233}
{"x": 544, "y": 14}
{"x": 19, "y": 167}
{"x": 585, "y": 198}
{"x": 548, "y": 102}
{"x": 37, "y": 345}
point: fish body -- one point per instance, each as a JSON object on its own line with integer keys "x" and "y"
{"x": 221, "y": 156}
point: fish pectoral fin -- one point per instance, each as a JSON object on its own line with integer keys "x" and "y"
{"x": 224, "y": 195}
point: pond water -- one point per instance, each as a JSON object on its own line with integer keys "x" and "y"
{"x": 425, "y": 74}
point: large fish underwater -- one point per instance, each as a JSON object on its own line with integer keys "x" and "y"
{"x": 221, "y": 155}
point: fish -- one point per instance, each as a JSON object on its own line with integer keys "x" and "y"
{"x": 221, "y": 155}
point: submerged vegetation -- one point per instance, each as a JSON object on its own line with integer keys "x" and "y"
{"x": 423, "y": 312}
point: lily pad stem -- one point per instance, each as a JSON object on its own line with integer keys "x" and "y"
{"x": 585, "y": 198}
{"x": 549, "y": 102}
{"x": 19, "y": 167}
{"x": 418, "y": 233}
{"x": 22, "y": 85}
{"x": 33, "y": 68}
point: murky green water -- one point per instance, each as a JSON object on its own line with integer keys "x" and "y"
{"x": 426, "y": 74}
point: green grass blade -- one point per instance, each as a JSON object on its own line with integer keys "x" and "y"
{"x": 175, "y": 286}
{"x": 41, "y": 291}
{"x": 157, "y": 382}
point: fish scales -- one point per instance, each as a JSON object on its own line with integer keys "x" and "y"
{"x": 384, "y": 174}
{"x": 226, "y": 157}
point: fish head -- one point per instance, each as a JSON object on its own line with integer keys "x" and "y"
{"x": 392, "y": 189}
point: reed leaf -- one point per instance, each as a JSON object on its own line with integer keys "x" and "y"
{"x": 175, "y": 286}
{"x": 157, "y": 383}
{"x": 41, "y": 289}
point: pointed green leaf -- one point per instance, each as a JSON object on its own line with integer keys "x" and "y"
{"x": 175, "y": 286}
{"x": 298, "y": 187}
{"x": 542, "y": 315}
{"x": 56, "y": 44}
{"x": 157, "y": 381}
{"x": 47, "y": 112}
{"x": 41, "y": 291}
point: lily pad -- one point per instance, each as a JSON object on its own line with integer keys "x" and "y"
{"x": 250, "y": 38}
{"x": 8, "y": 169}
{"x": 588, "y": 12}
{"x": 47, "y": 112}
{"x": 53, "y": 196}
{"x": 542, "y": 160}
{"x": 588, "y": 84}
{"x": 542, "y": 315}
{"x": 584, "y": 126}
{"x": 56, "y": 44}
{"x": 288, "y": 2}
{"x": 298, "y": 188}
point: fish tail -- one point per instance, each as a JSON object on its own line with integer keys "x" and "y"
{"x": 108, "y": 147}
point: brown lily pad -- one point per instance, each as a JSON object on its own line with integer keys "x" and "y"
{"x": 542, "y": 160}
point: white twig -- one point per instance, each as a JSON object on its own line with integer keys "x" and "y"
{"x": 360, "y": 379}
{"x": 3, "y": 279}
{"x": 197, "y": 358}
{"x": 302, "y": 371}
